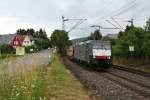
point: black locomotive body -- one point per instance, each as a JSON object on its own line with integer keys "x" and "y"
{"x": 94, "y": 52}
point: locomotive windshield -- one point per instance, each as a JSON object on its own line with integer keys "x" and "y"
{"x": 102, "y": 50}
{"x": 106, "y": 47}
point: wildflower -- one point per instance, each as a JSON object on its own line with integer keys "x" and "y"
{"x": 17, "y": 94}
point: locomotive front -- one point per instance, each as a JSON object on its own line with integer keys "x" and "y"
{"x": 102, "y": 53}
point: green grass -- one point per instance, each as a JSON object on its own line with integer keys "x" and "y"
{"x": 52, "y": 82}
{"x": 5, "y": 56}
{"x": 24, "y": 87}
{"x": 62, "y": 84}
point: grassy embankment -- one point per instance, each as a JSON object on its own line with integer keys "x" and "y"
{"x": 63, "y": 85}
{"x": 139, "y": 64}
{"x": 5, "y": 56}
{"x": 28, "y": 85}
{"x": 52, "y": 82}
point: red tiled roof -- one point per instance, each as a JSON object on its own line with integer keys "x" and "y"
{"x": 18, "y": 40}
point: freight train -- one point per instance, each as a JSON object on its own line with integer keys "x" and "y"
{"x": 92, "y": 52}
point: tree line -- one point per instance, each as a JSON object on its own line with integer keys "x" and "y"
{"x": 137, "y": 37}
{"x": 40, "y": 38}
{"x": 36, "y": 34}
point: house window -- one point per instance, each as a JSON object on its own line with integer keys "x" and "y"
{"x": 15, "y": 42}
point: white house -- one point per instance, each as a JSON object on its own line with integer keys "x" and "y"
{"x": 22, "y": 40}
{"x": 27, "y": 41}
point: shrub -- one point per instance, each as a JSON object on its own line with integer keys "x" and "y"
{"x": 7, "y": 49}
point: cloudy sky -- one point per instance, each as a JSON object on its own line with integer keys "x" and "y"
{"x": 47, "y": 14}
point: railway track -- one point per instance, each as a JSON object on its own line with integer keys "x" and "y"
{"x": 145, "y": 74}
{"x": 138, "y": 85}
{"x": 131, "y": 80}
{"x": 135, "y": 86}
{"x": 134, "y": 80}
{"x": 112, "y": 84}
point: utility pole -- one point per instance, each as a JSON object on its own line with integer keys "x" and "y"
{"x": 63, "y": 22}
{"x": 131, "y": 21}
{"x": 80, "y": 21}
{"x": 131, "y": 47}
{"x": 97, "y": 26}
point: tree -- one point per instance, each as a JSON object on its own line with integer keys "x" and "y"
{"x": 41, "y": 39}
{"x": 38, "y": 34}
{"x": 147, "y": 27}
{"x": 96, "y": 35}
{"x": 42, "y": 34}
{"x": 60, "y": 39}
{"x": 147, "y": 39}
{"x": 21, "y": 32}
{"x": 106, "y": 38}
{"x": 133, "y": 37}
{"x": 30, "y": 32}
{"x": 120, "y": 34}
{"x": 128, "y": 28}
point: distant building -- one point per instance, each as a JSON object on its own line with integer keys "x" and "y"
{"x": 22, "y": 40}
{"x": 7, "y": 38}
{"x": 78, "y": 40}
{"x": 112, "y": 36}
{"x": 28, "y": 41}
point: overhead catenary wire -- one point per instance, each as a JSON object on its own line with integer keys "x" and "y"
{"x": 115, "y": 11}
{"x": 128, "y": 8}
{"x": 117, "y": 23}
{"x": 77, "y": 24}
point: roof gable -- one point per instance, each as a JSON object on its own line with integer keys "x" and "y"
{"x": 18, "y": 40}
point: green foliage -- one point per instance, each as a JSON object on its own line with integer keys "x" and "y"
{"x": 42, "y": 44}
{"x": 60, "y": 39}
{"x": 96, "y": 35}
{"x": 29, "y": 49}
{"x": 120, "y": 34}
{"x": 6, "y": 49}
{"x": 133, "y": 36}
{"x": 60, "y": 78}
{"x": 147, "y": 39}
{"x": 40, "y": 86}
{"x": 36, "y": 34}
{"x": 40, "y": 37}
{"x": 24, "y": 86}
{"x": 106, "y": 38}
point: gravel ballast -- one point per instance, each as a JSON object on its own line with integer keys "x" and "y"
{"x": 99, "y": 87}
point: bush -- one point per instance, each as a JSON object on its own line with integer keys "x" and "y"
{"x": 133, "y": 37}
{"x": 7, "y": 49}
{"x": 31, "y": 49}
{"x": 42, "y": 44}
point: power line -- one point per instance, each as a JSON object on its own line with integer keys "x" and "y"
{"x": 122, "y": 7}
{"x": 80, "y": 21}
{"x": 125, "y": 10}
{"x": 136, "y": 4}
{"x": 77, "y": 24}
{"x": 117, "y": 23}
{"x": 111, "y": 23}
